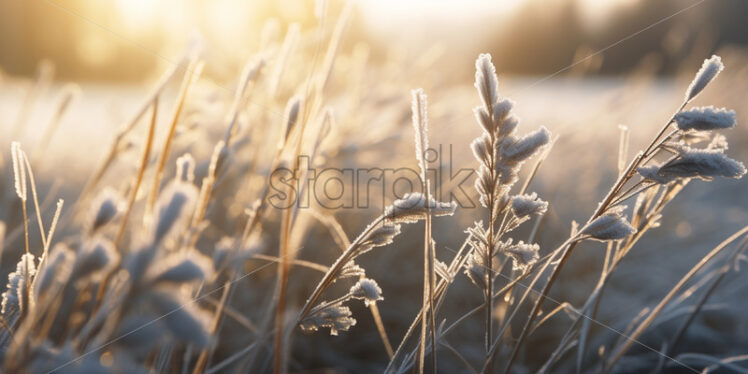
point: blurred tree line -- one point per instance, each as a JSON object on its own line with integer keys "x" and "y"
{"x": 542, "y": 37}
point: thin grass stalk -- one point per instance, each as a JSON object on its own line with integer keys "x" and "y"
{"x": 115, "y": 148}
{"x": 726, "y": 362}
{"x": 202, "y": 360}
{"x": 42, "y": 80}
{"x": 340, "y": 238}
{"x": 601, "y": 284}
{"x": 131, "y": 201}
{"x": 420, "y": 127}
{"x": 431, "y": 250}
{"x": 333, "y": 46}
{"x": 285, "y": 254}
{"x": 69, "y": 92}
{"x": 620, "y": 351}
{"x": 35, "y": 198}
{"x": 18, "y": 231}
{"x": 307, "y": 264}
{"x": 459, "y": 356}
{"x": 562, "y": 307}
{"x": 206, "y": 191}
{"x": 528, "y": 289}
{"x": 428, "y": 293}
{"x": 141, "y": 172}
{"x": 596, "y": 295}
{"x": 335, "y": 269}
{"x": 235, "y": 315}
{"x": 193, "y": 73}
{"x": 25, "y": 226}
{"x": 702, "y": 301}
{"x": 279, "y": 364}
{"x": 604, "y": 205}
{"x": 252, "y": 222}
{"x": 457, "y": 263}
{"x": 50, "y": 234}
{"x": 441, "y": 289}
{"x": 566, "y": 252}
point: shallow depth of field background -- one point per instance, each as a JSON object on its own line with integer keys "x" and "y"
{"x": 579, "y": 67}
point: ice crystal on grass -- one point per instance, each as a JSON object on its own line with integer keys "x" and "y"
{"x": 517, "y": 150}
{"x": 380, "y": 236}
{"x": 612, "y": 225}
{"x": 499, "y": 152}
{"x": 19, "y": 170}
{"x": 705, "y": 118}
{"x": 704, "y": 164}
{"x": 652, "y": 173}
{"x": 336, "y": 317}
{"x": 485, "y": 80}
{"x": 15, "y": 299}
{"x": 523, "y": 255}
{"x": 350, "y": 270}
{"x": 443, "y": 270}
{"x": 709, "y": 69}
{"x": 366, "y": 289}
{"x": 421, "y": 127}
{"x": 413, "y": 207}
{"x": 476, "y": 270}
{"x": 528, "y": 205}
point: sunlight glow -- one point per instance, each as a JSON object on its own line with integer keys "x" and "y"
{"x": 137, "y": 15}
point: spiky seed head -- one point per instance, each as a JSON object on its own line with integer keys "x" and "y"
{"x": 709, "y": 69}
{"x": 704, "y": 164}
{"x": 421, "y": 126}
{"x": 523, "y": 255}
{"x": 486, "y": 81}
{"x": 528, "y": 205}
{"x": 19, "y": 170}
{"x": 612, "y": 225}
{"x": 705, "y": 118}
{"x": 515, "y": 150}
{"x": 336, "y": 317}
{"x": 105, "y": 208}
{"x": 366, "y": 289}
{"x": 174, "y": 208}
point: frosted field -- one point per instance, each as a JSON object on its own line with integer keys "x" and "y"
{"x": 584, "y": 113}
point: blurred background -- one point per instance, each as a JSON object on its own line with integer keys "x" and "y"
{"x": 128, "y": 40}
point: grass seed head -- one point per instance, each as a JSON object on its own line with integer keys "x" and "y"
{"x": 367, "y": 290}
{"x": 709, "y": 69}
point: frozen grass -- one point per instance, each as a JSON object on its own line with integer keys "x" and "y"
{"x": 179, "y": 253}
